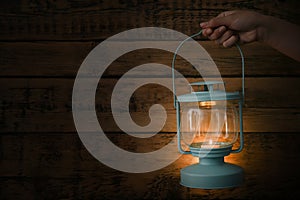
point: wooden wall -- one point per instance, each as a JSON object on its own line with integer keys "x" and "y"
{"x": 42, "y": 45}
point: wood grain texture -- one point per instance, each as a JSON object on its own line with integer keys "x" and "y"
{"x": 45, "y": 105}
{"x": 56, "y": 166}
{"x": 90, "y": 20}
{"x": 44, "y": 42}
{"x": 63, "y": 59}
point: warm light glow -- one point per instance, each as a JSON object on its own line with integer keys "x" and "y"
{"x": 213, "y": 126}
{"x": 210, "y": 145}
{"x": 207, "y": 103}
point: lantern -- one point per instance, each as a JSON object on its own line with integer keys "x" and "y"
{"x": 209, "y": 122}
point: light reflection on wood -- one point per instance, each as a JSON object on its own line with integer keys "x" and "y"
{"x": 270, "y": 161}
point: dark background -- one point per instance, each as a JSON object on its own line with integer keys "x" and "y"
{"x": 43, "y": 43}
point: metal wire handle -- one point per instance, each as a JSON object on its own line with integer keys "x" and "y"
{"x": 174, "y": 58}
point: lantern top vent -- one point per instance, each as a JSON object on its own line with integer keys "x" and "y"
{"x": 208, "y": 91}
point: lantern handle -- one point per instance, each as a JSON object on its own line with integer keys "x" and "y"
{"x": 241, "y": 129}
{"x": 173, "y": 66}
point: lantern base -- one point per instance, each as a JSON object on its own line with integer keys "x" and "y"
{"x": 223, "y": 175}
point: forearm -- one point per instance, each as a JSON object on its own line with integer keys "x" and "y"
{"x": 281, "y": 35}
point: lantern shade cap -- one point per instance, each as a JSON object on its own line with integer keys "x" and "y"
{"x": 207, "y": 83}
{"x": 216, "y": 95}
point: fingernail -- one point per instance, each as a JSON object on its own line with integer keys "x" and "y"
{"x": 203, "y": 24}
{"x": 222, "y": 28}
{"x": 208, "y": 31}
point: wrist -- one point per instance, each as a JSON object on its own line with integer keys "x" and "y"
{"x": 263, "y": 28}
{"x": 266, "y": 29}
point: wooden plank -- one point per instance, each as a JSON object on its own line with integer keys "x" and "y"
{"x": 44, "y": 105}
{"x": 61, "y": 59}
{"x": 255, "y": 120}
{"x": 74, "y": 20}
{"x": 58, "y": 166}
{"x": 55, "y": 95}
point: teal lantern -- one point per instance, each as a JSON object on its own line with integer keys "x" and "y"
{"x": 209, "y": 123}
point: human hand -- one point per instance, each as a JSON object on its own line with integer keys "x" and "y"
{"x": 232, "y": 26}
